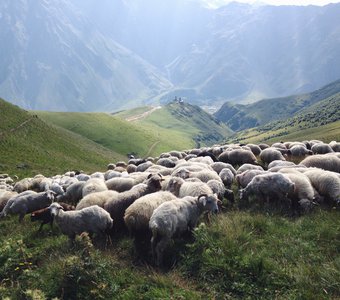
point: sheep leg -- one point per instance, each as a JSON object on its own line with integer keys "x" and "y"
{"x": 21, "y": 217}
{"x": 164, "y": 242}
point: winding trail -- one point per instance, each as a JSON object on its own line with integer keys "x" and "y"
{"x": 18, "y": 127}
{"x": 143, "y": 115}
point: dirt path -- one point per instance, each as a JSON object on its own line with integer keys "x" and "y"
{"x": 151, "y": 148}
{"x": 143, "y": 115}
{"x": 18, "y": 127}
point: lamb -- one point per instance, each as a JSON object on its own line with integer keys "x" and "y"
{"x": 326, "y": 162}
{"x": 181, "y": 188}
{"x": 120, "y": 184}
{"x": 269, "y": 187}
{"x": 94, "y": 220}
{"x": 238, "y": 157}
{"x": 117, "y": 204}
{"x": 270, "y": 154}
{"x": 27, "y": 202}
{"x": 44, "y": 215}
{"x": 176, "y": 217}
{"x": 326, "y": 183}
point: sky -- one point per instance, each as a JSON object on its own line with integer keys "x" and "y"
{"x": 217, "y": 3}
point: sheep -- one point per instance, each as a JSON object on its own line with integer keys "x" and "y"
{"x": 270, "y": 154}
{"x": 263, "y": 146}
{"x": 98, "y": 198}
{"x": 299, "y": 150}
{"x": 112, "y": 174}
{"x": 227, "y": 177}
{"x": 327, "y": 184}
{"x": 166, "y": 162}
{"x": 218, "y": 166}
{"x": 117, "y": 204}
{"x": 270, "y": 187}
{"x": 138, "y": 214}
{"x": 238, "y": 157}
{"x": 321, "y": 148}
{"x": 4, "y": 197}
{"x": 326, "y": 162}
{"x": 335, "y": 146}
{"x": 246, "y": 167}
{"x": 44, "y": 215}
{"x": 204, "y": 176}
{"x": 110, "y": 166}
{"x": 220, "y": 190}
{"x": 93, "y": 220}
{"x": 22, "y": 185}
{"x": 203, "y": 159}
{"x": 176, "y": 217}
{"x": 244, "y": 178}
{"x": 303, "y": 192}
{"x": 144, "y": 166}
{"x": 27, "y": 202}
{"x": 120, "y": 184}
{"x": 159, "y": 169}
{"x": 181, "y": 188}
{"x": 279, "y": 145}
{"x": 94, "y": 185}
{"x": 289, "y": 168}
{"x": 254, "y": 148}
{"x": 280, "y": 163}
{"x": 83, "y": 177}
{"x": 131, "y": 168}
{"x": 73, "y": 193}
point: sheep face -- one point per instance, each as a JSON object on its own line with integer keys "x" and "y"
{"x": 208, "y": 203}
{"x": 154, "y": 181}
{"x": 54, "y": 209}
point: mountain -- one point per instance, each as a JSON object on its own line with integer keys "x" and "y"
{"x": 83, "y": 55}
{"x": 144, "y": 131}
{"x": 54, "y": 58}
{"x": 30, "y": 146}
{"x": 239, "y": 117}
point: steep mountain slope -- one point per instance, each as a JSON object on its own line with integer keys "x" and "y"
{"x": 29, "y": 146}
{"x": 55, "y": 59}
{"x": 175, "y": 126}
{"x": 239, "y": 117}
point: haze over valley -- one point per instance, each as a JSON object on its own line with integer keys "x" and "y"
{"x": 81, "y": 56}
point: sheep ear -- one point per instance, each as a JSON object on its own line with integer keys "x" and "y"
{"x": 149, "y": 175}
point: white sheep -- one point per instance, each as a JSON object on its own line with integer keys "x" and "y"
{"x": 270, "y": 154}
{"x": 219, "y": 166}
{"x": 27, "y": 202}
{"x": 321, "y": 148}
{"x": 93, "y": 220}
{"x": 244, "y": 178}
{"x": 327, "y": 184}
{"x": 181, "y": 188}
{"x": 138, "y": 214}
{"x": 120, "y": 184}
{"x": 227, "y": 177}
{"x": 98, "y": 198}
{"x": 238, "y": 157}
{"x": 176, "y": 217}
{"x": 246, "y": 167}
{"x": 269, "y": 187}
{"x": 326, "y": 162}
{"x": 94, "y": 185}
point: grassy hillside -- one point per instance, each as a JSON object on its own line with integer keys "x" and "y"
{"x": 29, "y": 146}
{"x": 321, "y": 121}
{"x": 240, "y": 117}
{"x": 174, "y": 126}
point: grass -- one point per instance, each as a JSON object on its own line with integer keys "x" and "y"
{"x": 39, "y": 147}
{"x": 326, "y": 133}
{"x": 241, "y": 255}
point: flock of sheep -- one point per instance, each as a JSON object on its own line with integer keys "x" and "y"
{"x": 157, "y": 199}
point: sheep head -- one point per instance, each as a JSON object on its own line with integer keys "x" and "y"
{"x": 55, "y": 208}
{"x": 208, "y": 203}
